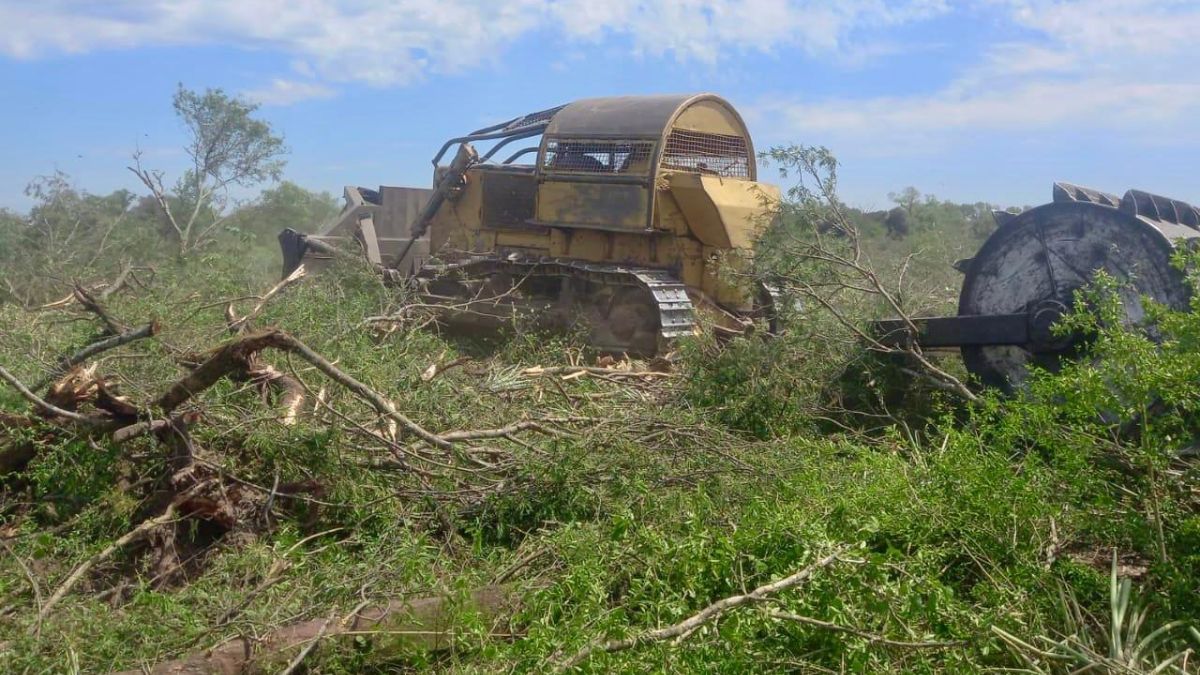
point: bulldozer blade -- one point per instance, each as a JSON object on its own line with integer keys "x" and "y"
{"x": 292, "y": 244}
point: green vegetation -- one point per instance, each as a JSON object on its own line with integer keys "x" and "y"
{"x": 972, "y": 535}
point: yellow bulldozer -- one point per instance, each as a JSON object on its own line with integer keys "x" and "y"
{"x": 636, "y": 214}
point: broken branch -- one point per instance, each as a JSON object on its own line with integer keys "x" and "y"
{"x": 695, "y": 621}
{"x": 237, "y": 355}
{"x": 233, "y": 356}
{"x": 92, "y": 305}
{"x": 382, "y": 405}
{"x": 45, "y": 407}
{"x": 65, "y": 363}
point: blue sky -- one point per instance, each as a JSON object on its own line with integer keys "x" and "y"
{"x": 985, "y": 100}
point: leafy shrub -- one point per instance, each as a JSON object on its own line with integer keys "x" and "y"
{"x": 746, "y": 384}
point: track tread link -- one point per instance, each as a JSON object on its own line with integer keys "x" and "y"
{"x": 676, "y": 313}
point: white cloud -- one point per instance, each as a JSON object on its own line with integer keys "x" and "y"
{"x": 396, "y": 42}
{"x": 1104, "y": 63}
{"x": 1109, "y": 65}
{"x": 286, "y": 92}
{"x": 1035, "y": 105}
{"x": 703, "y": 30}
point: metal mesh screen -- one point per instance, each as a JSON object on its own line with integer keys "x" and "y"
{"x": 592, "y": 156}
{"x": 717, "y": 154}
{"x": 532, "y": 119}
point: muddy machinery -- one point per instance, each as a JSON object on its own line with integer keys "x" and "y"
{"x": 634, "y": 214}
{"x": 1025, "y": 275}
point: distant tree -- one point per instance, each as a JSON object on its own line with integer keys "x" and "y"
{"x": 282, "y": 206}
{"x": 228, "y": 147}
{"x": 907, "y": 199}
{"x": 897, "y": 223}
{"x": 69, "y": 233}
{"x": 979, "y": 215}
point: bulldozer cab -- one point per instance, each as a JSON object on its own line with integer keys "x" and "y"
{"x": 601, "y": 160}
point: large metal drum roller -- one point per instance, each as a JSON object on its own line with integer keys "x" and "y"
{"x": 1025, "y": 276}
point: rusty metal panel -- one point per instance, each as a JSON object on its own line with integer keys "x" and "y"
{"x": 607, "y": 206}
{"x": 626, "y": 116}
{"x": 399, "y": 209}
{"x": 508, "y": 198}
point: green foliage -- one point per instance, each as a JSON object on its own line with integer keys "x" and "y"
{"x": 963, "y": 523}
{"x": 640, "y": 522}
{"x": 1127, "y": 646}
{"x": 70, "y": 234}
{"x": 285, "y": 205}
{"x": 747, "y": 384}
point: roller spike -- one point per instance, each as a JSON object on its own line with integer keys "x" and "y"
{"x": 1157, "y": 207}
{"x": 1068, "y": 192}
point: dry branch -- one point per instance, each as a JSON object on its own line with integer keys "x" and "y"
{"x": 419, "y": 623}
{"x": 692, "y": 623}
{"x": 241, "y": 324}
{"x": 381, "y": 404}
{"x": 232, "y": 357}
{"x": 118, "y": 283}
{"x": 237, "y": 356}
{"x": 477, "y": 434}
{"x": 576, "y": 371}
{"x": 99, "y": 347}
{"x": 134, "y": 430}
{"x": 111, "y": 326}
{"x": 312, "y": 644}
{"x": 288, "y": 389}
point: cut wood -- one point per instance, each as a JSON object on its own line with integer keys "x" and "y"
{"x": 43, "y": 406}
{"x": 99, "y": 347}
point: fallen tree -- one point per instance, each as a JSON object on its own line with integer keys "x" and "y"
{"x": 82, "y": 403}
{"x": 413, "y": 624}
